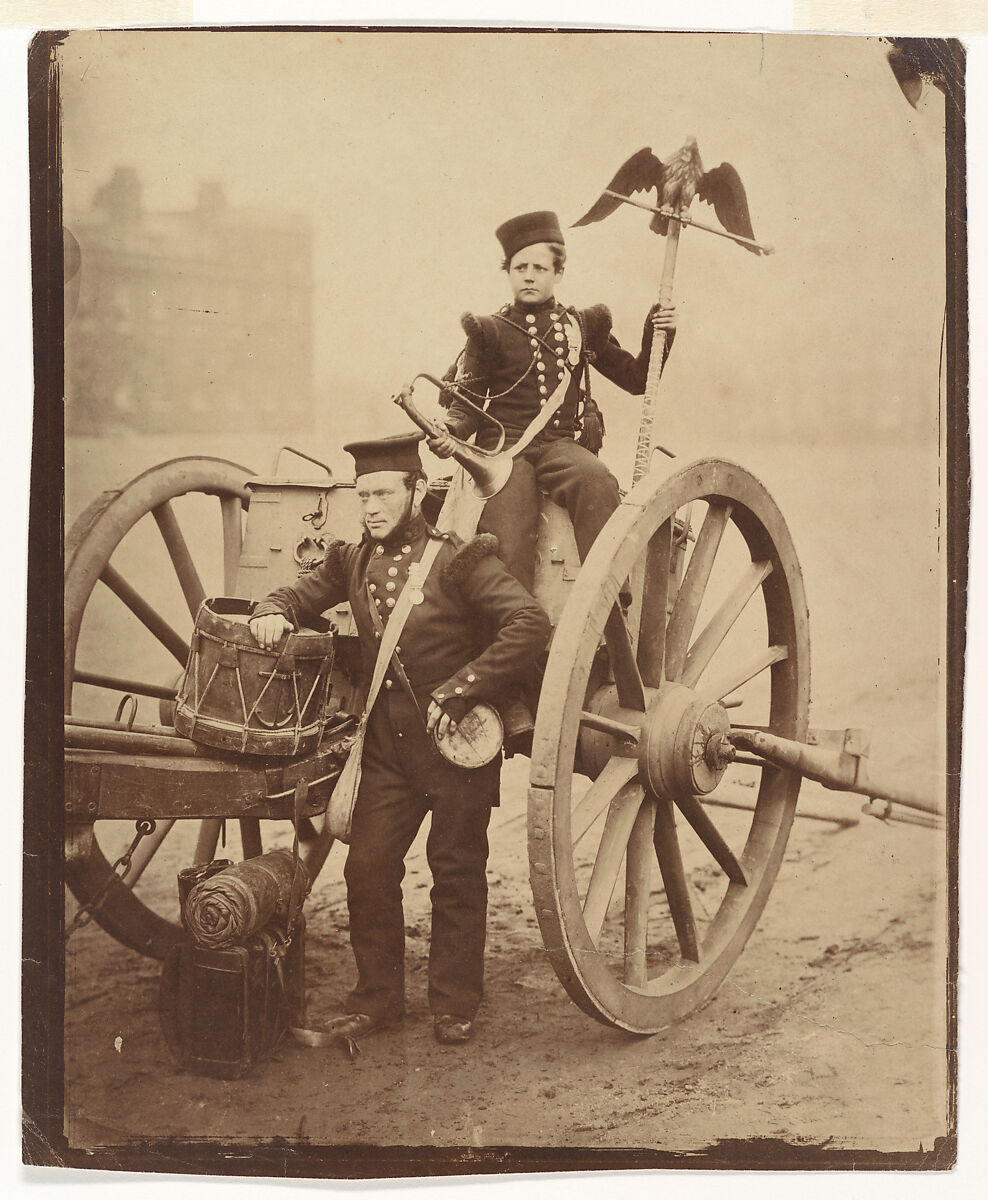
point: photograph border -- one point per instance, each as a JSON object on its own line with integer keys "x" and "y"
{"x": 43, "y": 979}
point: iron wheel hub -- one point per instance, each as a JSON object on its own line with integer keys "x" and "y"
{"x": 682, "y": 745}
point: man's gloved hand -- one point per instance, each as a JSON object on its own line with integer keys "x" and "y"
{"x": 268, "y": 631}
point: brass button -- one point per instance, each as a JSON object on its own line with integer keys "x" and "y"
{"x": 558, "y": 337}
{"x": 530, "y": 317}
{"x": 392, "y": 571}
{"x": 404, "y": 550}
{"x": 390, "y": 602}
{"x": 379, "y": 550}
{"x": 471, "y": 679}
{"x": 543, "y": 390}
{"x": 387, "y": 683}
{"x": 390, "y": 587}
{"x": 372, "y": 586}
{"x": 459, "y": 691}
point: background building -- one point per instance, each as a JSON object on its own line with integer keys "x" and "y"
{"x": 198, "y": 319}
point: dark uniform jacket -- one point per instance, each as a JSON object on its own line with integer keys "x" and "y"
{"x": 472, "y": 636}
{"x": 512, "y": 362}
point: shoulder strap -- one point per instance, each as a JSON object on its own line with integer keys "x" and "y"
{"x": 553, "y": 403}
{"x": 396, "y": 622}
{"x": 395, "y": 660}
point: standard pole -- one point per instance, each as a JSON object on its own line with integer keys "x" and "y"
{"x": 643, "y": 452}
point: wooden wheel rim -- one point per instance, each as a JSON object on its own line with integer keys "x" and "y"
{"x": 89, "y": 546}
{"x": 585, "y": 972}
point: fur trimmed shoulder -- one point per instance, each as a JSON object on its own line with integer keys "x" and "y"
{"x": 597, "y": 322}
{"x": 333, "y": 558}
{"x": 467, "y": 555}
{"x": 481, "y": 332}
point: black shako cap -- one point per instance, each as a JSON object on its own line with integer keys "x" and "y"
{"x": 397, "y": 453}
{"x": 527, "y": 230}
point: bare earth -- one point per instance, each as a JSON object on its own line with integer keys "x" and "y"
{"x": 830, "y": 1030}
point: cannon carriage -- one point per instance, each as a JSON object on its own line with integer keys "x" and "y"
{"x": 671, "y": 736}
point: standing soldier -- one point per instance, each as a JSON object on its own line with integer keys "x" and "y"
{"x": 470, "y": 632}
{"x": 527, "y": 365}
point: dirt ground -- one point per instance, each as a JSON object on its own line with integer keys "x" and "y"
{"x": 830, "y": 1030}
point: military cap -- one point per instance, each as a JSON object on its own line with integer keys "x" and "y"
{"x": 397, "y": 453}
{"x": 527, "y": 230}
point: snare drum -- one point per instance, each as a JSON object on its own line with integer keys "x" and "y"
{"x": 236, "y": 696}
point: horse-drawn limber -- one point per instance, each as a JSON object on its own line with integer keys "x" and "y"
{"x": 671, "y": 737}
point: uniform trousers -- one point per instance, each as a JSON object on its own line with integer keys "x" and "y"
{"x": 402, "y": 780}
{"x": 571, "y": 476}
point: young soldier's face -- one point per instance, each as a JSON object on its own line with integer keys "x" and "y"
{"x": 386, "y": 502}
{"x": 533, "y": 275}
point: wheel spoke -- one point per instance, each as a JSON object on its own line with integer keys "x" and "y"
{"x": 615, "y": 775}
{"x": 722, "y": 622}
{"x": 610, "y": 854}
{"x": 630, "y": 689}
{"x": 708, "y": 833}
{"x": 250, "y": 837}
{"x": 735, "y": 674}
{"x": 694, "y": 584}
{"x": 654, "y": 604}
{"x": 232, "y": 542}
{"x": 618, "y": 729}
{"x": 147, "y": 847}
{"x": 149, "y": 617}
{"x": 637, "y": 891}
{"x": 670, "y": 858}
{"x": 206, "y": 843}
{"x": 156, "y": 691}
{"x": 178, "y": 552}
{"x": 314, "y": 850}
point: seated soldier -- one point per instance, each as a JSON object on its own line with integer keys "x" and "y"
{"x": 526, "y": 365}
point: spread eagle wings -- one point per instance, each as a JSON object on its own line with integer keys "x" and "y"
{"x": 720, "y": 187}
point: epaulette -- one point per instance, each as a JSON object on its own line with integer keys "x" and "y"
{"x": 481, "y": 332}
{"x": 597, "y": 322}
{"x": 466, "y": 558}
{"x": 333, "y": 558}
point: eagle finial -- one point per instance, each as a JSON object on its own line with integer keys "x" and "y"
{"x": 677, "y": 181}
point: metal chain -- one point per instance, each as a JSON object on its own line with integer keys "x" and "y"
{"x": 461, "y": 383}
{"x": 86, "y": 911}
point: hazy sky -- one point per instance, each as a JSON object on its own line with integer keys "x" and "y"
{"x": 406, "y": 150}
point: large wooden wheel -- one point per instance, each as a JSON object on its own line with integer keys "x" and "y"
{"x": 648, "y": 881}
{"x": 127, "y": 626}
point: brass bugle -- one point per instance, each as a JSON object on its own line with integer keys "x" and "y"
{"x": 488, "y": 469}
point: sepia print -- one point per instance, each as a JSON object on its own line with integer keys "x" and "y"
{"x": 719, "y": 923}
